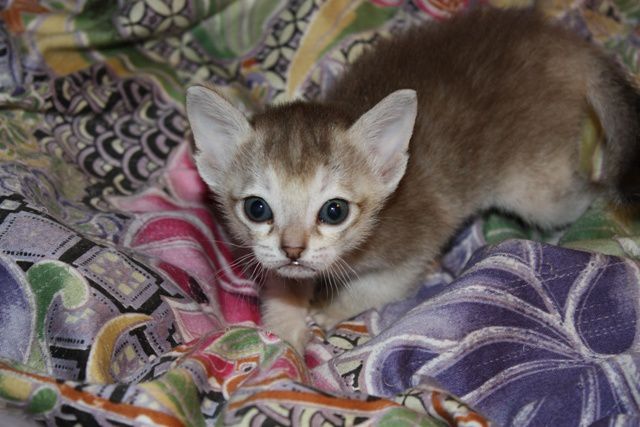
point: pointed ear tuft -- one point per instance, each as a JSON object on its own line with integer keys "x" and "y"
{"x": 218, "y": 129}
{"x": 384, "y": 133}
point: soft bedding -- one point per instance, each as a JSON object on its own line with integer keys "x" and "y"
{"x": 122, "y": 301}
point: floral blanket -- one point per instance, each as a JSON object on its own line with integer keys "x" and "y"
{"x": 120, "y": 300}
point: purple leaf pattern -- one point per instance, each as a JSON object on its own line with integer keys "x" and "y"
{"x": 551, "y": 331}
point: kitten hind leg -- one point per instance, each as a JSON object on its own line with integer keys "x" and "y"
{"x": 554, "y": 211}
{"x": 549, "y": 198}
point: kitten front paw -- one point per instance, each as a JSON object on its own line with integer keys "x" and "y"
{"x": 297, "y": 335}
{"x": 325, "y": 318}
{"x": 298, "y": 338}
{"x": 288, "y": 322}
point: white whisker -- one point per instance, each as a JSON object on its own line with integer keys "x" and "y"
{"x": 241, "y": 260}
{"x": 341, "y": 274}
{"x": 235, "y": 245}
{"x": 346, "y": 264}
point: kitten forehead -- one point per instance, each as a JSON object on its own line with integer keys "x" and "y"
{"x": 299, "y": 137}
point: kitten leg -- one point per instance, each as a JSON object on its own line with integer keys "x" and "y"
{"x": 370, "y": 290}
{"x": 285, "y": 306}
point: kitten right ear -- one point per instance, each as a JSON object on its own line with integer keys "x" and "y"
{"x": 218, "y": 129}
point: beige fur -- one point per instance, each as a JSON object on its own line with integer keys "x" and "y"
{"x": 501, "y": 100}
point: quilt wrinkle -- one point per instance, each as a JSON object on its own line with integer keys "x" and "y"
{"x": 124, "y": 302}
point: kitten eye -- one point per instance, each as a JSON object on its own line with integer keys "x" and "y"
{"x": 333, "y": 212}
{"x": 257, "y": 209}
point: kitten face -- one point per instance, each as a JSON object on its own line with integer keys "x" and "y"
{"x": 302, "y": 183}
{"x": 318, "y": 207}
{"x": 296, "y": 242}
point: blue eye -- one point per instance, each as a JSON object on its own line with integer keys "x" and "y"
{"x": 257, "y": 209}
{"x": 333, "y": 212}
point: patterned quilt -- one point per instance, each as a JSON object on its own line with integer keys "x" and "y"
{"x": 121, "y": 300}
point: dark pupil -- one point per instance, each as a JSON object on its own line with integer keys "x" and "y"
{"x": 257, "y": 209}
{"x": 334, "y": 211}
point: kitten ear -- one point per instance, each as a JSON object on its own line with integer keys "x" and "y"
{"x": 218, "y": 129}
{"x": 384, "y": 132}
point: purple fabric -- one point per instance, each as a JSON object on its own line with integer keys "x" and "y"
{"x": 527, "y": 334}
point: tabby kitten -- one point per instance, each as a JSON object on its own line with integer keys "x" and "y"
{"x": 355, "y": 195}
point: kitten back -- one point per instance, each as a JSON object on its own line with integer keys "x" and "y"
{"x": 505, "y": 74}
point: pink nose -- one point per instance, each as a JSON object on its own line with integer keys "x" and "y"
{"x": 292, "y": 253}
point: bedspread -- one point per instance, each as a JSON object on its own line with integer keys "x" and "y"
{"x": 120, "y": 300}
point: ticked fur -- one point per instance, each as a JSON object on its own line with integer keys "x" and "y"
{"x": 489, "y": 114}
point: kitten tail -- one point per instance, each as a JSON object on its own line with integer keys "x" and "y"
{"x": 617, "y": 104}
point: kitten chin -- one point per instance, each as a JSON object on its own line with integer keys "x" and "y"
{"x": 361, "y": 191}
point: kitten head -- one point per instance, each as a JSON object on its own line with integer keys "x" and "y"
{"x": 301, "y": 183}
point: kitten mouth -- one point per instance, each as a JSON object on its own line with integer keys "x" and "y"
{"x": 296, "y": 269}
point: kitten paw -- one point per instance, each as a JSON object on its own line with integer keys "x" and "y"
{"x": 289, "y": 325}
{"x": 325, "y": 318}
{"x": 298, "y": 337}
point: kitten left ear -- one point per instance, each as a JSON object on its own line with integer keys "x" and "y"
{"x": 218, "y": 129}
{"x": 384, "y": 133}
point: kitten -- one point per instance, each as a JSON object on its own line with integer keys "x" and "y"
{"x": 354, "y": 196}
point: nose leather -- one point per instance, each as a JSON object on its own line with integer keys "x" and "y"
{"x": 293, "y": 242}
{"x": 292, "y": 253}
